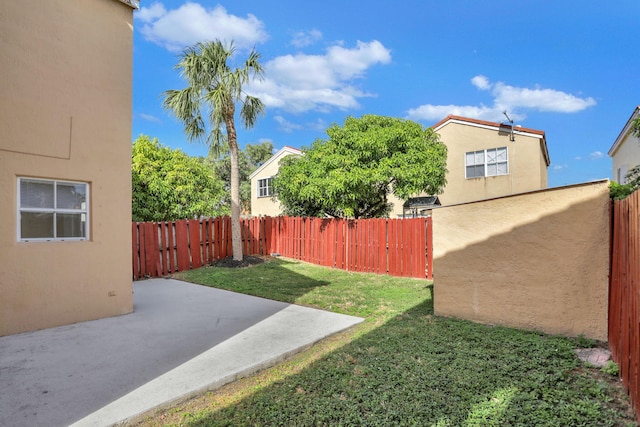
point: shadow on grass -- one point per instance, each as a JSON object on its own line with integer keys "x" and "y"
{"x": 268, "y": 280}
{"x": 417, "y": 369}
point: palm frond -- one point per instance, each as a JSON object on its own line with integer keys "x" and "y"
{"x": 251, "y": 109}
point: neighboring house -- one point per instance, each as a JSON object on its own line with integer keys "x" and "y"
{"x": 484, "y": 160}
{"x": 65, "y": 161}
{"x": 625, "y": 151}
{"x": 262, "y": 202}
{"x": 487, "y": 160}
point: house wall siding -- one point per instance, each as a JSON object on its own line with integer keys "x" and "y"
{"x": 527, "y": 165}
{"x": 525, "y": 173}
{"x": 536, "y": 261}
{"x": 266, "y": 206}
{"x": 65, "y": 113}
{"x": 627, "y": 155}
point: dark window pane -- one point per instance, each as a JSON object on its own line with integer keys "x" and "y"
{"x": 70, "y": 225}
{"x": 36, "y": 225}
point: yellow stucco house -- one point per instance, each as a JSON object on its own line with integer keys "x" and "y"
{"x": 65, "y": 161}
{"x": 262, "y": 201}
{"x": 484, "y": 160}
{"x": 625, "y": 151}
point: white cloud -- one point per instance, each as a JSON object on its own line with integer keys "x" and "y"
{"x": 506, "y": 98}
{"x": 559, "y": 167}
{"x": 306, "y": 38}
{"x": 299, "y": 83}
{"x": 149, "y": 118}
{"x": 151, "y": 13}
{"x": 191, "y": 23}
{"x": 596, "y": 155}
{"x": 285, "y": 125}
{"x": 481, "y": 82}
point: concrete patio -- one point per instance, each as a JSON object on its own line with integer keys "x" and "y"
{"x": 181, "y": 340}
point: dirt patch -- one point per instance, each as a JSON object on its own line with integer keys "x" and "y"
{"x": 247, "y": 261}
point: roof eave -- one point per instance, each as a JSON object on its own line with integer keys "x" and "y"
{"x": 624, "y": 132}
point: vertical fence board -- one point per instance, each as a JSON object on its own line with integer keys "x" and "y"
{"x": 624, "y": 294}
{"x": 396, "y": 247}
{"x": 182, "y": 245}
{"x": 135, "y": 251}
{"x": 195, "y": 244}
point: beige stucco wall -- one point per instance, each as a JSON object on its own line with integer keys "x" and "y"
{"x": 626, "y": 156}
{"x": 536, "y": 261}
{"x": 267, "y": 206}
{"x": 65, "y": 113}
{"x": 527, "y": 165}
{"x": 525, "y": 171}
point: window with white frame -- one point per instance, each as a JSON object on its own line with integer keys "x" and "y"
{"x": 622, "y": 174}
{"x": 490, "y": 162}
{"x": 265, "y": 188}
{"x": 52, "y": 210}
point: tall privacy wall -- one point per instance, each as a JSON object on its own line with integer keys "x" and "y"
{"x": 537, "y": 260}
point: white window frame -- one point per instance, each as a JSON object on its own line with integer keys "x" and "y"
{"x": 265, "y": 187}
{"x": 622, "y": 174}
{"x": 83, "y": 210}
{"x": 486, "y": 163}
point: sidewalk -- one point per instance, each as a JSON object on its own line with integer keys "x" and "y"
{"x": 182, "y": 339}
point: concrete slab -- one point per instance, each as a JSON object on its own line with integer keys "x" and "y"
{"x": 182, "y": 339}
{"x": 597, "y": 357}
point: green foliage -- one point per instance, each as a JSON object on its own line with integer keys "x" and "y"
{"x": 170, "y": 185}
{"x": 351, "y": 174}
{"x": 621, "y": 191}
{"x": 611, "y": 368}
{"x": 249, "y": 159}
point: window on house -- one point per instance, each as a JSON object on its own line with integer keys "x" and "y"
{"x": 264, "y": 187}
{"x": 52, "y": 210}
{"x": 490, "y": 162}
{"x": 622, "y": 174}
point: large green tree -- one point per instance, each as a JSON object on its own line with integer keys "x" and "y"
{"x": 213, "y": 89}
{"x": 170, "y": 185}
{"x": 351, "y": 174}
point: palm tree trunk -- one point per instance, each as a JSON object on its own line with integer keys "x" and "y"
{"x": 236, "y": 232}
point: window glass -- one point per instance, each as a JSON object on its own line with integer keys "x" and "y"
{"x": 70, "y": 225}
{"x": 264, "y": 187}
{"x": 36, "y": 225}
{"x": 36, "y": 194}
{"x": 70, "y": 196}
{"x": 52, "y": 210}
{"x": 490, "y": 162}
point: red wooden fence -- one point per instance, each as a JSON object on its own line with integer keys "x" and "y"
{"x": 624, "y": 294}
{"x": 398, "y": 247}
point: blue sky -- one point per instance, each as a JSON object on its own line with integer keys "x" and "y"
{"x": 566, "y": 67}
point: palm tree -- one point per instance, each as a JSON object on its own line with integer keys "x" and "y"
{"x": 214, "y": 88}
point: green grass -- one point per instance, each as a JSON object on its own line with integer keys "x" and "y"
{"x": 403, "y": 366}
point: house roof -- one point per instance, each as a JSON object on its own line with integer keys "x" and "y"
{"x": 625, "y": 131}
{"x": 135, "y": 4}
{"x": 284, "y": 150}
{"x": 517, "y": 130}
{"x": 424, "y": 201}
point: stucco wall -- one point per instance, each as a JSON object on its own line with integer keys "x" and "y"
{"x": 626, "y": 156}
{"x": 267, "y": 206}
{"x": 527, "y": 165}
{"x": 536, "y": 261}
{"x": 525, "y": 172}
{"x": 65, "y": 114}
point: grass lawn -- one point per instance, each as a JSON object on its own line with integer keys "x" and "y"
{"x": 402, "y": 366}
